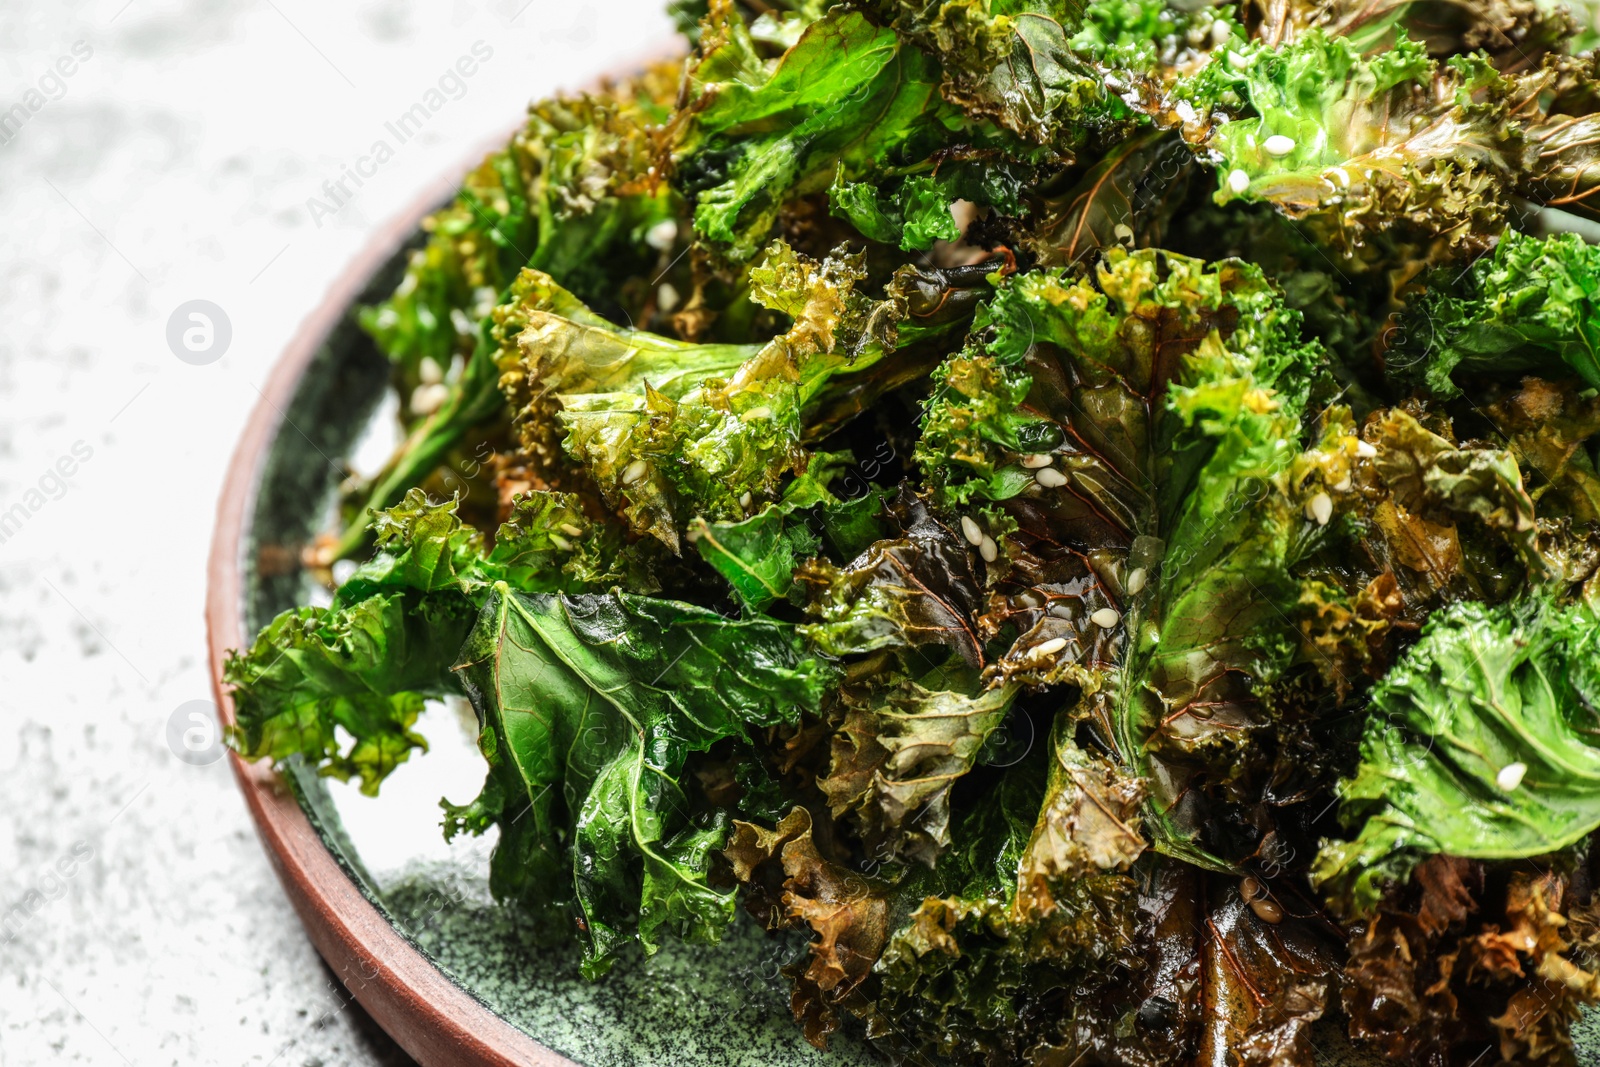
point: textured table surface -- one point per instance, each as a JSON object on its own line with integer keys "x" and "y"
{"x": 140, "y": 922}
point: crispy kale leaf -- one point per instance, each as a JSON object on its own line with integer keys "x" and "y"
{"x": 366, "y": 664}
{"x": 568, "y": 195}
{"x": 1359, "y": 143}
{"x": 913, "y": 592}
{"x": 574, "y": 192}
{"x": 1138, "y": 435}
{"x": 1479, "y": 743}
{"x": 1466, "y": 960}
{"x": 1532, "y": 306}
{"x": 847, "y": 97}
{"x": 1011, "y": 63}
{"x": 589, "y": 706}
{"x": 899, "y": 753}
{"x": 670, "y": 430}
{"x": 363, "y": 668}
{"x": 1125, "y": 200}
{"x": 758, "y": 556}
{"x": 1151, "y": 38}
{"x": 915, "y": 213}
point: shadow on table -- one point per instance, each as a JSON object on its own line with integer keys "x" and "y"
{"x": 371, "y": 1045}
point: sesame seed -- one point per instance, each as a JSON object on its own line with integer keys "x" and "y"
{"x": 661, "y": 235}
{"x": 1268, "y": 911}
{"x": 1279, "y": 145}
{"x": 1320, "y": 507}
{"x": 571, "y": 530}
{"x": 1105, "y": 618}
{"x": 1050, "y": 647}
{"x": 1510, "y": 776}
{"x": 1037, "y": 460}
{"x": 560, "y": 542}
{"x": 426, "y": 399}
{"x": 1136, "y": 580}
{"x": 971, "y": 531}
{"x": 1238, "y": 181}
{"x": 988, "y": 550}
{"x": 1050, "y": 478}
{"x": 745, "y": 500}
{"x": 634, "y": 471}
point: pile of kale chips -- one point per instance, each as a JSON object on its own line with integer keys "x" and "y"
{"x": 1089, "y": 516}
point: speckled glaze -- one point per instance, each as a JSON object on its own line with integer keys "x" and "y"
{"x": 686, "y": 1006}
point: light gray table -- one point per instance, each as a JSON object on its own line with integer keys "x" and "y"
{"x": 139, "y": 920}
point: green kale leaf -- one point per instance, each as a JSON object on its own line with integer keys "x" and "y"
{"x": 1148, "y": 461}
{"x": 1530, "y": 307}
{"x": 1010, "y": 62}
{"x": 589, "y": 707}
{"x": 844, "y": 99}
{"x": 1479, "y": 743}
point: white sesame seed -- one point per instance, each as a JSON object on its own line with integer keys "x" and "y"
{"x": 1123, "y": 232}
{"x": 1342, "y": 485}
{"x": 667, "y": 296}
{"x": 1279, "y": 145}
{"x": 745, "y": 500}
{"x": 1238, "y": 181}
{"x": 1136, "y": 580}
{"x": 560, "y": 542}
{"x": 429, "y": 372}
{"x": 761, "y": 412}
{"x": 971, "y": 531}
{"x": 1050, "y": 647}
{"x": 1320, "y": 507}
{"x": 571, "y": 530}
{"x": 1037, "y": 460}
{"x": 989, "y": 550}
{"x": 1105, "y": 618}
{"x": 426, "y": 399}
{"x": 634, "y": 471}
{"x": 1510, "y": 776}
{"x": 1050, "y": 478}
{"x": 661, "y": 235}
{"x": 1365, "y": 450}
